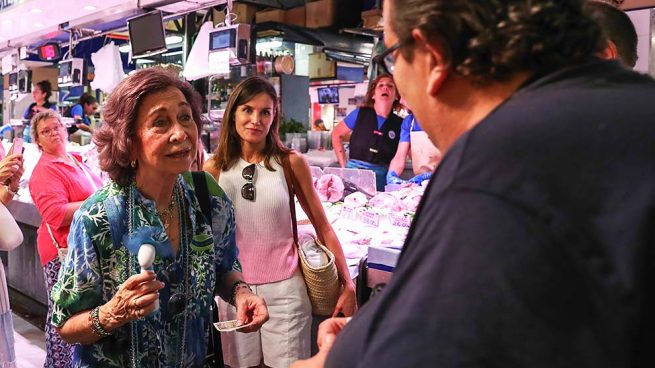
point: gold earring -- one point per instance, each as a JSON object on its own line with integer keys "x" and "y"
{"x": 133, "y": 164}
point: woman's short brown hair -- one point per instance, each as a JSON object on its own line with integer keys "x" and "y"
{"x": 229, "y": 143}
{"x": 116, "y": 137}
{"x": 38, "y": 118}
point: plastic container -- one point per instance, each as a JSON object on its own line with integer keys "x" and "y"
{"x": 314, "y": 140}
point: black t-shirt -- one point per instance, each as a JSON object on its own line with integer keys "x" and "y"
{"x": 31, "y": 110}
{"x": 534, "y": 243}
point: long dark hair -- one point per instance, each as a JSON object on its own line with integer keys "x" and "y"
{"x": 46, "y": 88}
{"x": 229, "y": 143}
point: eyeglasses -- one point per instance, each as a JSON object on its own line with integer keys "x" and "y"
{"x": 386, "y": 59}
{"x": 51, "y": 131}
{"x": 171, "y": 276}
{"x": 248, "y": 189}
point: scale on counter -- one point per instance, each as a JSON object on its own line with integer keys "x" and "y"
{"x": 72, "y": 72}
{"x": 229, "y": 45}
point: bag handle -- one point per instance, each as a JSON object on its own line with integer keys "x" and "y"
{"x": 52, "y": 236}
{"x": 294, "y": 188}
{"x": 202, "y": 193}
{"x": 286, "y": 166}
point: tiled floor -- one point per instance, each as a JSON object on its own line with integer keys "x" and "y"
{"x": 30, "y": 344}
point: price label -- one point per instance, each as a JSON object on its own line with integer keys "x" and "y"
{"x": 400, "y": 220}
{"x": 348, "y": 213}
{"x": 370, "y": 218}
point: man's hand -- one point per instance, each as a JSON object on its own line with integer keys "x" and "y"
{"x": 327, "y": 333}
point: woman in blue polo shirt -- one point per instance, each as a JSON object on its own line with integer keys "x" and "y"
{"x": 425, "y": 155}
{"x": 375, "y": 131}
{"x": 85, "y": 107}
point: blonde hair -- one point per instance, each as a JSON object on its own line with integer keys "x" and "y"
{"x": 43, "y": 115}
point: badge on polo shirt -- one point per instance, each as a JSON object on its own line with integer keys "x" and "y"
{"x": 392, "y": 134}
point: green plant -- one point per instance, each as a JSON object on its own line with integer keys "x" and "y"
{"x": 290, "y": 126}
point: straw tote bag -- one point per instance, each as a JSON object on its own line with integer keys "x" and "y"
{"x": 323, "y": 286}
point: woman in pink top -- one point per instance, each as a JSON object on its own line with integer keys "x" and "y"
{"x": 59, "y": 184}
{"x": 248, "y": 166}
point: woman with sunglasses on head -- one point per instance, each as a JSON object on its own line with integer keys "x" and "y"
{"x": 248, "y": 165}
{"x": 126, "y": 308}
{"x": 59, "y": 184}
{"x": 375, "y": 131}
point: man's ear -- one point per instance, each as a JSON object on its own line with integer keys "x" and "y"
{"x": 610, "y": 52}
{"x": 437, "y": 69}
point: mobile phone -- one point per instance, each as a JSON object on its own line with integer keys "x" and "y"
{"x": 17, "y": 147}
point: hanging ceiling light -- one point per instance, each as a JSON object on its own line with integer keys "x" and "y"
{"x": 173, "y": 39}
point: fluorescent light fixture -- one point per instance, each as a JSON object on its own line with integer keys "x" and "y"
{"x": 36, "y": 11}
{"x": 173, "y": 39}
{"x": 264, "y": 46}
{"x": 124, "y": 48}
{"x": 89, "y": 7}
{"x": 173, "y": 53}
{"x": 38, "y": 25}
{"x": 144, "y": 61}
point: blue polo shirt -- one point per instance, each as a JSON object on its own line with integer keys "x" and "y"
{"x": 406, "y": 128}
{"x": 351, "y": 120}
{"x": 78, "y": 110}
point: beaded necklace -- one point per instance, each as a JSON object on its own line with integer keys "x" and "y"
{"x": 132, "y": 266}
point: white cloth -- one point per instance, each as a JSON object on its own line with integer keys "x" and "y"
{"x": 197, "y": 63}
{"x": 7, "y": 353}
{"x": 283, "y": 339}
{"x": 11, "y": 236}
{"x": 108, "y": 68}
{"x": 425, "y": 155}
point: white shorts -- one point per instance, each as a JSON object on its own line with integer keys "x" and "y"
{"x": 283, "y": 339}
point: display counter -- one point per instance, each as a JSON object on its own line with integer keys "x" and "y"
{"x": 24, "y": 270}
{"x": 321, "y": 158}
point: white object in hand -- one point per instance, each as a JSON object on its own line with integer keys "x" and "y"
{"x": 146, "y": 258}
{"x": 227, "y": 326}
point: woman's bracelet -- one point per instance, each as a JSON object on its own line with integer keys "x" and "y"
{"x": 96, "y": 326}
{"x": 235, "y": 288}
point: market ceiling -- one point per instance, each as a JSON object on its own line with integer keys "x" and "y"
{"x": 30, "y": 22}
{"x": 33, "y": 22}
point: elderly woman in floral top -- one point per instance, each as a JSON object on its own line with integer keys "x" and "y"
{"x": 119, "y": 315}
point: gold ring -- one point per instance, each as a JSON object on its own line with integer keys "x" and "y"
{"x": 139, "y": 313}
{"x": 134, "y": 303}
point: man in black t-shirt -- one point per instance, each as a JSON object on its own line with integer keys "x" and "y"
{"x": 534, "y": 243}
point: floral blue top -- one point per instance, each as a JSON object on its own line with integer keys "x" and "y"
{"x": 96, "y": 266}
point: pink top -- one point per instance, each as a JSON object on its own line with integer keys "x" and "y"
{"x": 55, "y": 183}
{"x": 264, "y": 235}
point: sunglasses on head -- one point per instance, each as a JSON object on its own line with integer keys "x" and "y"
{"x": 171, "y": 276}
{"x": 248, "y": 189}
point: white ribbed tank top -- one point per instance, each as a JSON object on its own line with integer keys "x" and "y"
{"x": 263, "y": 228}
